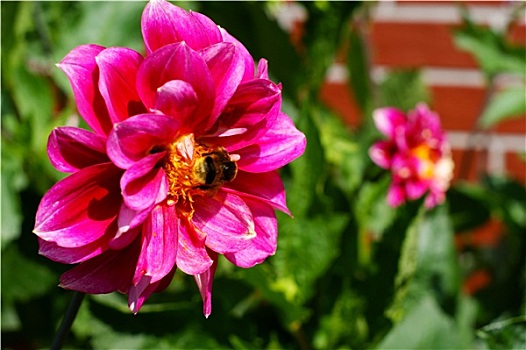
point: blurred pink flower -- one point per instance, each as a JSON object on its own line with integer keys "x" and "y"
{"x": 181, "y": 165}
{"x": 417, "y": 153}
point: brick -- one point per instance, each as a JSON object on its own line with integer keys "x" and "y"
{"x": 458, "y": 106}
{"x": 515, "y": 125}
{"x": 517, "y": 34}
{"x": 516, "y": 167}
{"x": 415, "y": 45}
{"x": 469, "y": 164}
{"x": 339, "y": 98}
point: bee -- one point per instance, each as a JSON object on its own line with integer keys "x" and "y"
{"x": 211, "y": 170}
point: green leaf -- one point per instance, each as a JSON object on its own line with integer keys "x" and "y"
{"x": 506, "y": 199}
{"x": 428, "y": 264}
{"x": 424, "y": 327}
{"x": 10, "y": 319}
{"x": 13, "y": 181}
{"x": 436, "y": 253}
{"x": 373, "y": 216}
{"x": 324, "y": 30}
{"x": 345, "y": 325}
{"x": 504, "y": 105}
{"x": 263, "y": 278}
{"x": 490, "y": 48}
{"x": 403, "y": 89}
{"x": 306, "y": 249}
{"x": 372, "y": 211}
{"x": 307, "y": 171}
{"x": 407, "y": 267}
{"x": 23, "y": 279}
{"x": 468, "y": 208}
{"x": 341, "y": 148}
{"x": 172, "y": 329}
{"x": 508, "y": 333}
{"x": 491, "y": 60}
{"x": 104, "y": 23}
{"x": 466, "y": 318}
{"x": 359, "y": 78}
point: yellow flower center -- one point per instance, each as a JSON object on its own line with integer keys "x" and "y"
{"x": 195, "y": 169}
{"x": 428, "y": 158}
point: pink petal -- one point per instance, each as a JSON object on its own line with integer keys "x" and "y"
{"x": 123, "y": 238}
{"x": 403, "y": 167}
{"x": 265, "y": 242}
{"x": 247, "y": 57}
{"x": 262, "y": 69}
{"x": 71, "y": 149}
{"x": 140, "y": 136}
{"x": 81, "y": 208}
{"x": 226, "y": 220}
{"x": 137, "y": 291}
{"x": 192, "y": 257}
{"x": 434, "y": 198}
{"x": 176, "y": 62}
{"x": 138, "y": 294}
{"x": 381, "y": 153}
{"x": 118, "y": 69}
{"x": 163, "y": 23}
{"x": 204, "y": 282}
{"x": 158, "y": 245}
{"x": 388, "y": 120}
{"x": 249, "y": 114}
{"x": 280, "y": 145}
{"x": 208, "y": 32}
{"x": 266, "y": 187}
{"x": 144, "y": 183}
{"x": 178, "y": 99}
{"x": 128, "y": 222}
{"x": 73, "y": 255}
{"x": 105, "y": 273}
{"x": 415, "y": 188}
{"x": 226, "y": 67}
{"x": 253, "y": 101}
{"x": 83, "y": 74}
{"x": 395, "y": 195}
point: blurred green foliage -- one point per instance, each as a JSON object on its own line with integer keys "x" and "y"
{"x": 350, "y": 271}
{"x": 497, "y": 58}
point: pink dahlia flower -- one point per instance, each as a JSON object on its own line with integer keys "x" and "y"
{"x": 417, "y": 153}
{"x": 180, "y": 165}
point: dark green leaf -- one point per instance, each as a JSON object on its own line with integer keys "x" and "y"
{"x": 424, "y": 327}
{"x": 23, "y": 279}
{"x": 308, "y": 171}
{"x": 428, "y": 264}
{"x": 306, "y": 249}
{"x": 505, "y": 334}
{"x": 359, "y": 78}
{"x": 345, "y": 325}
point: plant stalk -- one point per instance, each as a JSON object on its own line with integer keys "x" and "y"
{"x": 67, "y": 322}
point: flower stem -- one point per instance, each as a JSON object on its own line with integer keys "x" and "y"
{"x": 69, "y": 317}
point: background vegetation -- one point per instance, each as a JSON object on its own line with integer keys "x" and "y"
{"x": 350, "y": 272}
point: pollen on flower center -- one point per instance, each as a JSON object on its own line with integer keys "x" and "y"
{"x": 195, "y": 169}
{"x": 427, "y": 158}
